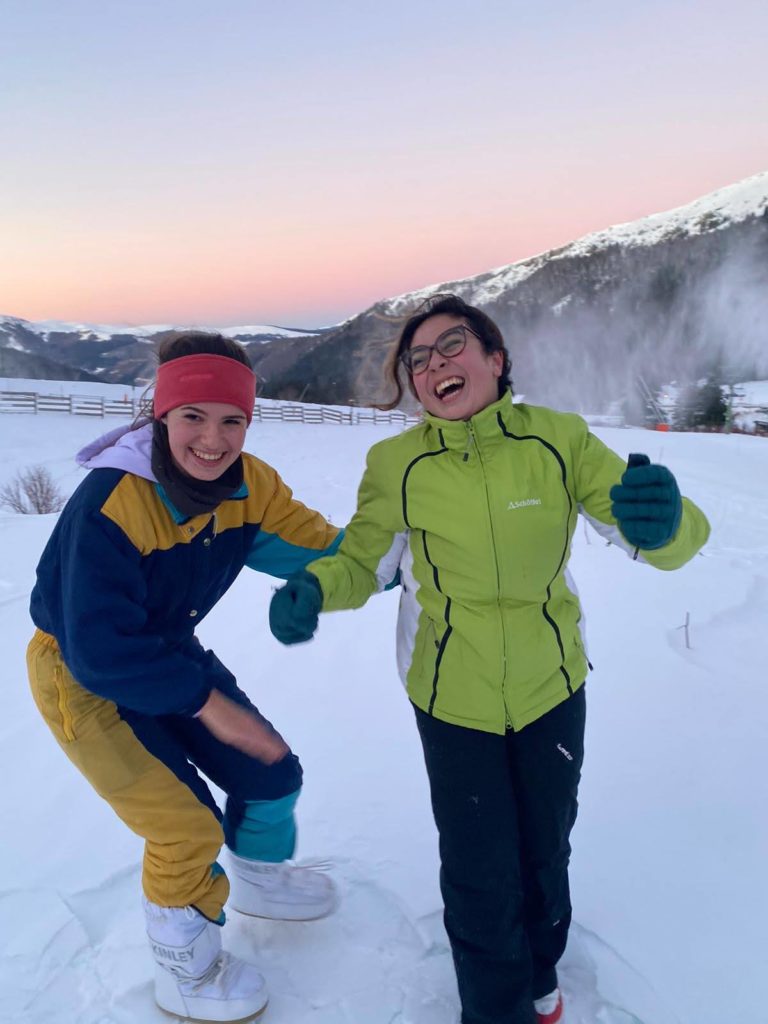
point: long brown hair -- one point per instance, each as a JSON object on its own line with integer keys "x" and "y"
{"x": 397, "y": 377}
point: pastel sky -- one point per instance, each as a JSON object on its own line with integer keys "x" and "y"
{"x": 291, "y": 162}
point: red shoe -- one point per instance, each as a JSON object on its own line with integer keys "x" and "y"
{"x": 551, "y": 1016}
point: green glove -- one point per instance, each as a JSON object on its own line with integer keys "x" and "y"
{"x": 295, "y": 607}
{"x": 647, "y": 504}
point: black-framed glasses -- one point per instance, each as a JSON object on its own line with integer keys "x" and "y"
{"x": 450, "y": 343}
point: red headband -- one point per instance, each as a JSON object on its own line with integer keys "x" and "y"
{"x": 204, "y": 378}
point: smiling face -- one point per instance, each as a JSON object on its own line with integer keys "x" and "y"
{"x": 456, "y": 387}
{"x": 205, "y": 438}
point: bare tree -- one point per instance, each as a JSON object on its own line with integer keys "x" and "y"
{"x": 32, "y": 491}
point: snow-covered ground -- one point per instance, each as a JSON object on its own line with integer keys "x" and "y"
{"x": 670, "y": 849}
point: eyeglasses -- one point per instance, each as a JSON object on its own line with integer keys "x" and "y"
{"x": 450, "y": 343}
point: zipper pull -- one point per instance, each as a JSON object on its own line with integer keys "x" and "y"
{"x": 470, "y": 439}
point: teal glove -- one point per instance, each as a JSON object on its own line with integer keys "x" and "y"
{"x": 647, "y": 504}
{"x": 294, "y": 608}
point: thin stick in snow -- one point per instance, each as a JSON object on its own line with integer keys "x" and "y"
{"x": 685, "y": 626}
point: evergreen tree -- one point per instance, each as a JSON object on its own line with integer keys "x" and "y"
{"x": 712, "y": 406}
{"x": 701, "y": 406}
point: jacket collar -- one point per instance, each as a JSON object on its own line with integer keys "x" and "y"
{"x": 130, "y": 449}
{"x": 481, "y": 429}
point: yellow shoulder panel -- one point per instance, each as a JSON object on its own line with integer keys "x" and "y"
{"x": 259, "y": 479}
{"x": 136, "y": 507}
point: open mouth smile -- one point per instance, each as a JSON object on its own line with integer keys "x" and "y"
{"x": 449, "y": 388}
{"x": 207, "y": 456}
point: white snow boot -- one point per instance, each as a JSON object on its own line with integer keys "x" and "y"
{"x": 194, "y": 978}
{"x": 282, "y": 891}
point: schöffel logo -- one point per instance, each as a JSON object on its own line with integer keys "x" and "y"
{"x": 523, "y": 504}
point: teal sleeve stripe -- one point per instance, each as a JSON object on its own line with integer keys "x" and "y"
{"x": 271, "y": 554}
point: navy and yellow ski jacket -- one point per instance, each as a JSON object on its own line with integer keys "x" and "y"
{"x": 124, "y": 578}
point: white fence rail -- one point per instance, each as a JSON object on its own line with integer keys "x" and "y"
{"x": 80, "y": 405}
{"x": 264, "y": 410}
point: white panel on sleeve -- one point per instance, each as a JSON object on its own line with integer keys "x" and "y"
{"x": 388, "y": 563}
{"x": 611, "y": 533}
{"x": 408, "y": 615}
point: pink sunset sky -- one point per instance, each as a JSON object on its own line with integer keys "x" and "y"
{"x": 290, "y": 163}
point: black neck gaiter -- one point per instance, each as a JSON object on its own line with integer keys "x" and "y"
{"x": 190, "y": 496}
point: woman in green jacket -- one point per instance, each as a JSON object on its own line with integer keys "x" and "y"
{"x": 478, "y": 505}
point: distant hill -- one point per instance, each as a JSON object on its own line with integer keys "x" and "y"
{"x": 23, "y": 364}
{"x": 114, "y": 354}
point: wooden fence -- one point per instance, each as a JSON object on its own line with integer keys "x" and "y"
{"x": 265, "y": 410}
{"x": 79, "y": 405}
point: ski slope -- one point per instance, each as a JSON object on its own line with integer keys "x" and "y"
{"x": 668, "y": 872}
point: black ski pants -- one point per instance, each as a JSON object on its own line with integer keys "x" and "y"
{"x": 504, "y": 808}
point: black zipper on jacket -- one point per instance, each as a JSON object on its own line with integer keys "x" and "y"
{"x": 544, "y": 608}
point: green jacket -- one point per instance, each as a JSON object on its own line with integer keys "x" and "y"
{"x": 479, "y": 515}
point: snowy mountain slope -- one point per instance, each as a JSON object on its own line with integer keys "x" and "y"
{"x": 745, "y": 200}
